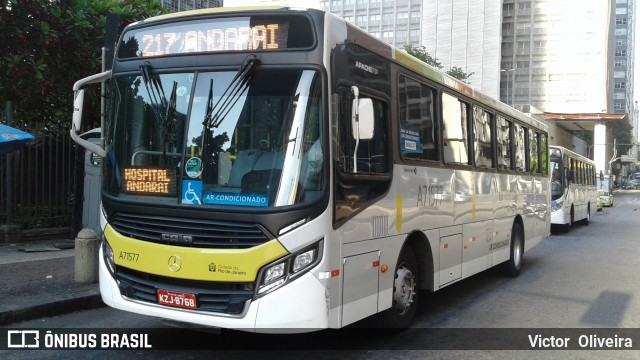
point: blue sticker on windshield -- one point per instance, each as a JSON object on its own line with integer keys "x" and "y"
{"x": 192, "y": 192}
{"x": 222, "y": 198}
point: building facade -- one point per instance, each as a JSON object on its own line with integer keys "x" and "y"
{"x": 465, "y": 34}
{"x": 184, "y": 5}
{"x": 557, "y": 55}
{"x": 624, "y": 58}
{"x": 397, "y": 22}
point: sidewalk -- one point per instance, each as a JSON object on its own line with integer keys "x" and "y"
{"x": 37, "y": 280}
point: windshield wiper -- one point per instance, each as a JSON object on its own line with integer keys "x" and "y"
{"x": 156, "y": 92}
{"x": 241, "y": 81}
{"x": 170, "y": 114}
{"x": 159, "y": 101}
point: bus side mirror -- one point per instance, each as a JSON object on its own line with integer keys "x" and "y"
{"x": 362, "y": 119}
{"x": 77, "y": 109}
{"x": 362, "y": 122}
{"x": 78, "y": 102}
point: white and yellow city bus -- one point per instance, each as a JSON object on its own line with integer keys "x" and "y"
{"x": 573, "y": 187}
{"x": 282, "y": 170}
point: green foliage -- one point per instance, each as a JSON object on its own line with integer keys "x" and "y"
{"x": 624, "y": 137}
{"x": 46, "y": 46}
{"x": 421, "y": 53}
{"x": 459, "y": 74}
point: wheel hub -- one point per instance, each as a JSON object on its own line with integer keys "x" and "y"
{"x": 404, "y": 289}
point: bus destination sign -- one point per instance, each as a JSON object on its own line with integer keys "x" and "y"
{"x": 212, "y": 35}
{"x": 151, "y": 181}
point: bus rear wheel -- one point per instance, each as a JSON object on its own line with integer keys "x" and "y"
{"x": 513, "y": 266}
{"x": 405, "y": 292}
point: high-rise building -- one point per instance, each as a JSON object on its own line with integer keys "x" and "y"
{"x": 184, "y": 5}
{"x": 397, "y": 22}
{"x": 556, "y": 55}
{"x": 623, "y": 65}
{"x": 466, "y": 34}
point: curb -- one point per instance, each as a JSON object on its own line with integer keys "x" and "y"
{"x": 85, "y": 300}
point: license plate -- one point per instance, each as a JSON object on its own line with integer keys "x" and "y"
{"x": 176, "y": 299}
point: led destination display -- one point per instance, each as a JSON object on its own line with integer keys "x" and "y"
{"x": 149, "y": 181}
{"x": 216, "y": 35}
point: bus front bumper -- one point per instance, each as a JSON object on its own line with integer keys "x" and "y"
{"x": 300, "y": 306}
{"x": 558, "y": 217}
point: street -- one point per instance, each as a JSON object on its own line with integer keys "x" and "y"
{"x": 586, "y": 278}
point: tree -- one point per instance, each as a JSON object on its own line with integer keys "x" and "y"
{"x": 421, "y": 53}
{"x": 48, "y": 45}
{"x": 623, "y": 137}
{"x": 459, "y": 74}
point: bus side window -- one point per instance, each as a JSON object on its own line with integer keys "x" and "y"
{"x": 354, "y": 192}
{"x": 533, "y": 152}
{"x": 482, "y": 130}
{"x": 503, "y": 141}
{"x": 454, "y": 123}
{"x": 372, "y": 156}
{"x": 417, "y": 121}
{"x": 544, "y": 154}
{"x": 520, "y": 154}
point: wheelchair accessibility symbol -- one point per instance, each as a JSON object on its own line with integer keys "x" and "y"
{"x": 192, "y": 192}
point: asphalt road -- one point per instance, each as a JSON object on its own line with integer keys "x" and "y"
{"x": 585, "y": 279}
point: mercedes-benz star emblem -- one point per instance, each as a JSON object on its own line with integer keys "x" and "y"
{"x": 175, "y": 263}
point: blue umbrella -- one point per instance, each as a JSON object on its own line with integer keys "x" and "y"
{"x": 12, "y": 139}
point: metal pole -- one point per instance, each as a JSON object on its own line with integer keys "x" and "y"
{"x": 103, "y": 94}
{"x": 508, "y": 86}
{"x": 8, "y": 181}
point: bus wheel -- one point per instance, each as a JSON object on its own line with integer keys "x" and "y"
{"x": 587, "y": 220}
{"x": 405, "y": 292}
{"x": 566, "y": 227}
{"x": 572, "y": 217}
{"x": 514, "y": 264}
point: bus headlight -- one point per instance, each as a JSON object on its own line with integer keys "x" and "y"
{"x": 274, "y": 273}
{"x": 109, "y": 258}
{"x": 288, "y": 269}
{"x": 303, "y": 260}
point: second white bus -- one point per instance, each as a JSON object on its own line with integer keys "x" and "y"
{"x": 573, "y": 187}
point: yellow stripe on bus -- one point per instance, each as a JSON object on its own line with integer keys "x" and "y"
{"x": 227, "y": 265}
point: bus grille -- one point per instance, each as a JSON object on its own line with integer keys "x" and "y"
{"x": 189, "y": 232}
{"x": 225, "y": 298}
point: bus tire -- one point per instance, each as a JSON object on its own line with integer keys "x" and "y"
{"x": 405, "y": 292}
{"x": 566, "y": 227}
{"x": 513, "y": 266}
{"x": 587, "y": 220}
{"x": 572, "y": 217}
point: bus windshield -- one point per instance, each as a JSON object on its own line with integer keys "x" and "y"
{"x": 216, "y": 138}
{"x": 557, "y": 183}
